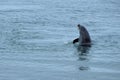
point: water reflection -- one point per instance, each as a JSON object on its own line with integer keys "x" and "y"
{"x": 82, "y": 68}
{"x": 83, "y": 52}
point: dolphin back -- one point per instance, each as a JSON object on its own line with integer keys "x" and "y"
{"x": 84, "y": 36}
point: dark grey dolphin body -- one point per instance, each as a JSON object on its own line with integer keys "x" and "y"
{"x": 84, "y": 38}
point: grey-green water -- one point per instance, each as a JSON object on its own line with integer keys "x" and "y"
{"x": 36, "y": 40}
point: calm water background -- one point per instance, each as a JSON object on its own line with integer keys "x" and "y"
{"x": 36, "y": 40}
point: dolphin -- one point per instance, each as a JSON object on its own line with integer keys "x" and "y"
{"x": 84, "y": 38}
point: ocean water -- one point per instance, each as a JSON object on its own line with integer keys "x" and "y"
{"x": 36, "y": 40}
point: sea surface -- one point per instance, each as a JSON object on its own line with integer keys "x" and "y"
{"x": 36, "y": 40}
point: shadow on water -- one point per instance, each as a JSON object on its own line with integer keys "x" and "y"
{"x": 82, "y": 52}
